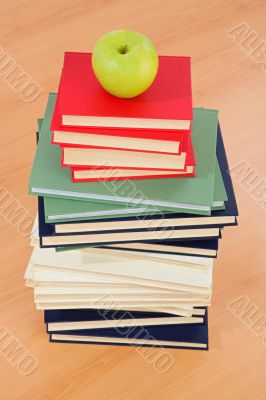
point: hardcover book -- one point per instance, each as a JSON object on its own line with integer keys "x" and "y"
{"x": 161, "y": 141}
{"x": 60, "y": 320}
{"x": 166, "y": 104}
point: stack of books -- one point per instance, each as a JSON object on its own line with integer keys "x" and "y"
{"x": 132, "y": 197}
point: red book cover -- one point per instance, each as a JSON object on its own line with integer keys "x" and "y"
{"x": 168, "y": 98}
{"x": 138, "y": 133}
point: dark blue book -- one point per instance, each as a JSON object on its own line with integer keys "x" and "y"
{"x": 186, "y": 336}
{"x": 88, "y": 315}
{"x": 49, "y": 238}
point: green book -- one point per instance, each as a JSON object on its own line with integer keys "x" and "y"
{"x": 193, "y": 195}
{"x": 65, "y": 210}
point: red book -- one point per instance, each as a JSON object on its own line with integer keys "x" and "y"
{"x": 95, "y": 175}
{"x": 104, "y": 173}
{"x": 84, "y": 158}
{"x": 154, "y": 140}
{"x": 166, "y": 104}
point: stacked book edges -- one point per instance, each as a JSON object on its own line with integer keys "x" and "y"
{"x": 92, "y": 294}
{"x": 133, "y": 195}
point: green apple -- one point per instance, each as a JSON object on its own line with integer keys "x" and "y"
{"x": 125, "y": 62}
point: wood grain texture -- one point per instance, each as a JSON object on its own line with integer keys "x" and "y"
{"x": 36, "y": 34}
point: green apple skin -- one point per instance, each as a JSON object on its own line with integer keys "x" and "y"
{"x": 124, "y": 62}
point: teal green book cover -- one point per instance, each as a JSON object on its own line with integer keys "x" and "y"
{"x": 195, "y": 194}
{"x": 65, "y": 210}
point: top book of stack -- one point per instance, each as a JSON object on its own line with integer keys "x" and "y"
{"x": 151, "y": 121}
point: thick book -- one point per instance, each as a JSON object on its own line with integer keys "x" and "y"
{"x": 195, "y": 195}
{"x": 186, "y": 336}
{"x": 166, "y": 104}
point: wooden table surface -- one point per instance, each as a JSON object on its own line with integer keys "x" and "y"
{"x": 228, "y": 74}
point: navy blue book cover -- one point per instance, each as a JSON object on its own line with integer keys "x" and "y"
{"x": 47, "y": 230}
{"x": 186, "y": 333}
{"x": 204, "y": 244}
{"x": 77, "y": 315}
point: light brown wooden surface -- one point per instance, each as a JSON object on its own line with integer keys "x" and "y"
{"x": 36, "y": 34}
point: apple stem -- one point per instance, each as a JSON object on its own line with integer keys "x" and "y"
{"x": 123, "y": 49}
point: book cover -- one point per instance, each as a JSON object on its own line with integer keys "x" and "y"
{"x": 63, "y": 210}
{"x": 167, "y": 103}
{"x": 156, "y": 140}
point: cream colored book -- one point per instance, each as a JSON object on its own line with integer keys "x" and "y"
{"x": 125, "y": 298}
{"x": 103, "y": 286}
{"x": 118, "y": 289}
{"x": 46, "y": 287}
{"x": 194, "y": 262}
{"x": 72, "y": 279}
{"x": 125, "y": 304}
{"x": 182, "y": 311}
{"x": 121, "y": 323}
{"x": 123, "y": 267}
